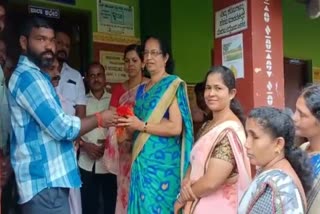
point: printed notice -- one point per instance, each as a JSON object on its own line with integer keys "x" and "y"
{"x": 115, "y": 18}
{"x": 231, "y": 19}
{"x": 114, "y": 66}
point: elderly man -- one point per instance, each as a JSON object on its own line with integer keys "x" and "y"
{"x": 97, "y": 179}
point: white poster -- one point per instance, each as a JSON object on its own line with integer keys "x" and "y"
{"x": 115, "y": 18}
{"x": 231, "y": 19}
{"x": 114, "y": 66}
{"x": 232, "y": 54}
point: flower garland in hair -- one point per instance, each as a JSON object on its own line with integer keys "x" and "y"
{"x": 123, "y": 111}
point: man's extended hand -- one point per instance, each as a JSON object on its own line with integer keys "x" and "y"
{"x": 109, "y": 118}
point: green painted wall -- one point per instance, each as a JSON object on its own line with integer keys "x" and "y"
{"x": 192, "y": 38}
{"x": 91, "y": 5}
{"x": 155, "y": 19}
{"x": 192, "y": 31}
{"x": 301, "y": 34}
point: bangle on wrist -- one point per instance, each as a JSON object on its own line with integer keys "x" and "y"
{"x": 145, "y": 127}
{"x": 99, "y": 119}
{"x": 179, "y": 199}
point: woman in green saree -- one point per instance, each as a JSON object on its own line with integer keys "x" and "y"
{"x": 163, "y": 135}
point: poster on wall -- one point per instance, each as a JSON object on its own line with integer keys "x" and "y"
{"x": 231, "y": 19}
{"x": 114, "y": 66}
{"x": 115, "y": 18}
{"x": 316, "y": 75}
{"x": 197, "y": 114}
{"x": 191, "y": 95}
{"x": 65, "y": 1}
{"x": 232, "y": 54}
{"x": 195, "y": 111}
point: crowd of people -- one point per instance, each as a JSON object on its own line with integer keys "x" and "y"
{"x": 136, "y": 150}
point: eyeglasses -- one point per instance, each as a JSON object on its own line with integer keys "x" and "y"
{"x": 153, "y": 53}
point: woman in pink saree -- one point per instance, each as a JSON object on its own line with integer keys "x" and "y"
{"x": 220, "y": 171}
{"x": 124, "y": 94}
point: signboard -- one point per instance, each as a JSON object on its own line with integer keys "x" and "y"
{"x": 115, "y": 18}
{"x": 45, "y": 12}
{"x": 231, "y": 19}
{"x": 114, "y": 39}
{"x": 64, "y": 1}
{"x": 114, "y": 66}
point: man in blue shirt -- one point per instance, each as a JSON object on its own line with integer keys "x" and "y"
{"x": 42, "y": 153}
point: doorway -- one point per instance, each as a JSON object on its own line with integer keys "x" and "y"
{"x": 297, "y": 74}
{"x": 78, "y": 22}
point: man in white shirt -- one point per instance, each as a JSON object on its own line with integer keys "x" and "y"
{"x": 97, "y": 179}
{"x": 71, "y": 85}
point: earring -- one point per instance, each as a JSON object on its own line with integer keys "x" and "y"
{"x": 278, "y": 152}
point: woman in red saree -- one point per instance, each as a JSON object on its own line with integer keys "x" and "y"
{"x": 124, "y": 94}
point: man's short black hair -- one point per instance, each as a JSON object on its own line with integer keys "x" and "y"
{"x": 34, "y": 22}
{"x": 63, "y": 29}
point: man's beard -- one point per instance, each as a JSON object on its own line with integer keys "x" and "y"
{"x": 39, "y": 59}
{"x": 62, "y": 56}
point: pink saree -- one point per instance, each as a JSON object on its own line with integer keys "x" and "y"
{"x": 225, "y": 199}
{"x": 122, "y": 153}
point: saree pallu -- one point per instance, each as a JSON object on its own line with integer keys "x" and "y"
{"x": 125, "y": 159}
{"x": 159, "y": 162}
{"x": 313, "y": 196}
{"x": 225, "y": 198}
{"x": 284, "y": 196}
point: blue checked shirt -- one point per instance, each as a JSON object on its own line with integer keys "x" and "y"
{"x": 42, "y": 153}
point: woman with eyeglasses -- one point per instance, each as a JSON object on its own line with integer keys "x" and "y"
{"x": 162, "y": 134}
